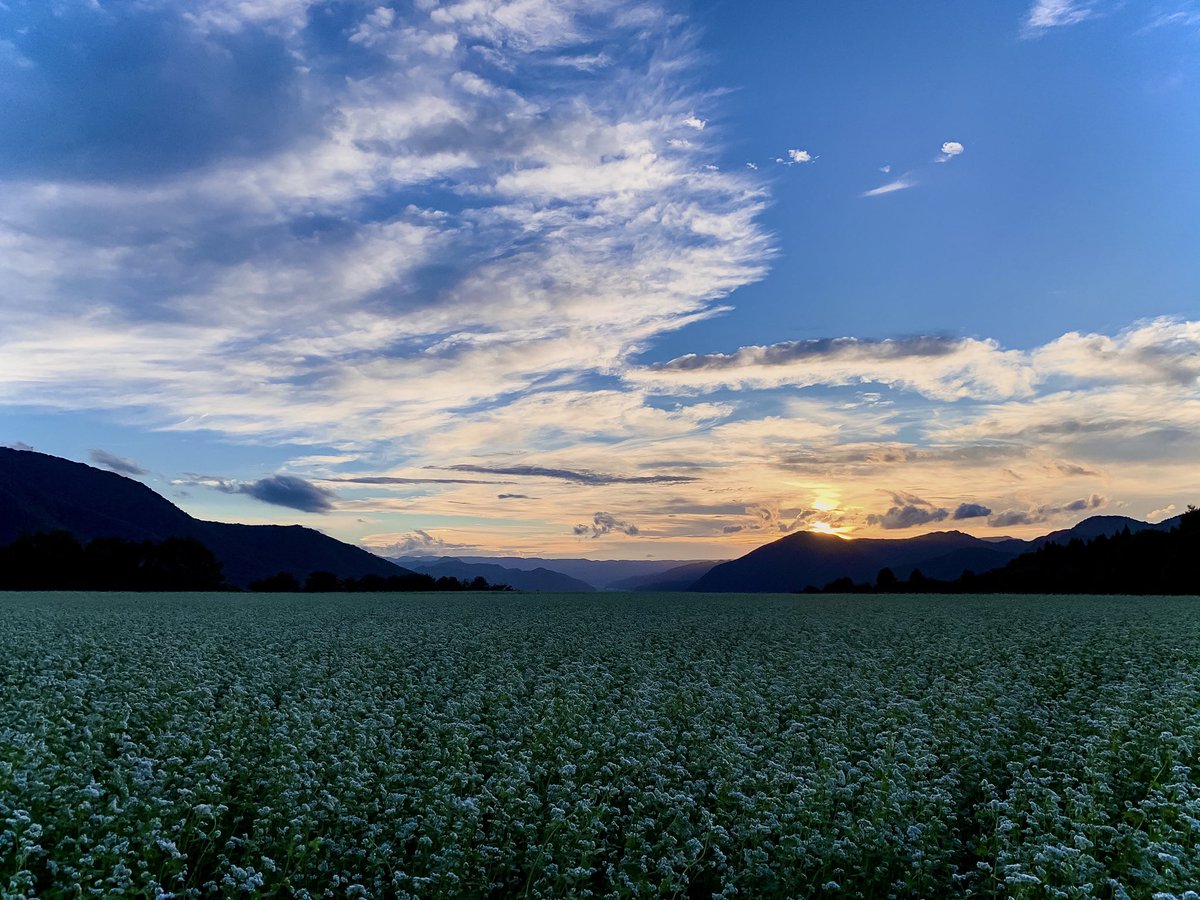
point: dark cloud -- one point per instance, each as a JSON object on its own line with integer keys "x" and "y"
{"x": 1038, "y": 514}
{"x": 816, "y": 349}
{"x": 908, "y": 512}
{"x": 282, "y": 490}
{"x": 971, "y": 511}
{"x": 1015, "y": 517}
{"x": 514, "y": 497}
{"x": 120, "y": 464}
{"x": 17, "y": 445}
{"x": 392, "y": 479}
{"x": 605, "y": 523}
{"x": 579, "y": 476}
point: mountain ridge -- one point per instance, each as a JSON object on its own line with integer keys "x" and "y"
{"x": 40, "y": 492}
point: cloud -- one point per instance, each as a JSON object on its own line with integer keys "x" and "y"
{"x": 580, "y": 477}
{"x": 1046, "y": 14}
{"x": 1180, "y": 18}
{"x": 1011, "y": 517}
{"x": 514, "y": 497}
{"x": 17, "y": 445}
{"x": 799, "y": 156}
{"x": 1035, "y": 515}
{"x": 908, "y": 512}
{"x": 367, "y": 232}
{"x": 1093, "y": 502}
{"x": 1164, "y": 512}
{"x": 396, "y": 479}
{"x": 902, "y": 183}
{"x": 413, "y": 543}
{"x": 605, "y": 523}
{"x": 886, "y": 170}
{"x": 1163, "y": 351}
{"x": 278, "y": 490}
{"x": 971, "y": 511}
{"x": 1068, "y": 468}
{"x": 120, "y": 464}
{"x": 950, "y": 149}
{"x": 934, "y": 366}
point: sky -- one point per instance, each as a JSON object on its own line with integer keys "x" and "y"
{"x": 615, "y": 279}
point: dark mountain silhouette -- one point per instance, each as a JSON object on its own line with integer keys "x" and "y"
{"x": 680, "y": 578}
{"x": 808, "y": 559}
{"x": 1149, "y": 560}
{"x": 42, "y": 493}
{"x": 1094, "y": 526}
{"x": 798, "y": 560}
{"x": 539, "y": 579}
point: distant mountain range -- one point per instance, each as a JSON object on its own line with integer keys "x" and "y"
{"x": 592, "y": 574}
{"x": 538, "y": 579}
{"x": 41, "y": 493}
{"x": 791, "y": 563}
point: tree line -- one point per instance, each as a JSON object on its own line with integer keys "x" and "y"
{"x": 58, "y": 561}
{"x": 1142, "y": 562}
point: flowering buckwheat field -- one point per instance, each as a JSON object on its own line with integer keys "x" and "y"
{"x": 607, "y": 745}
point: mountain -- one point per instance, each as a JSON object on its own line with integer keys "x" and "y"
{"x": 601, "y": 574}
{"x": 1095, "y": 526}
{"x": 798, "y": 560}
{"x": 680, "y": 578}
{"x": 539, "y": 579}
{"x": 806, "y": 558}
{"x": 42, "y": 493}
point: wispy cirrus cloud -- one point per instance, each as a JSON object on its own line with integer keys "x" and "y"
{"x": 1046, "y": 14}
{"x": 903, "y": 183}
{"x": 579, "y": 477}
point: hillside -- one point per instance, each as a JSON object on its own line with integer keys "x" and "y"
{"x": 806, "y": 559}
{"x": 42, "y": 493}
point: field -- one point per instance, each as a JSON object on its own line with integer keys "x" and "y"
{"x": 599, "y": 745}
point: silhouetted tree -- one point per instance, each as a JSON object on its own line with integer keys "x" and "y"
{"x": 280, "y": 583}
{"x": 886, "y": 580}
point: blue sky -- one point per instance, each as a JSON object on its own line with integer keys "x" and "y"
{"x": 607, "y": 279}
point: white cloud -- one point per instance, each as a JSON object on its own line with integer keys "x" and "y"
{"x": 935, "y": 367}
{"x": 902, "y": 183}
{"x": 950, "y": 149}
{"x": 800, "y": 156}
{"x": 886, "y": 170}
{"x": 251, "y": 296}
{"x": 694, "y": 121}
{"x": 1046, "y": 14}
